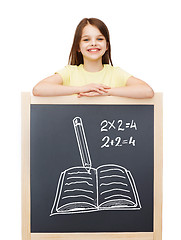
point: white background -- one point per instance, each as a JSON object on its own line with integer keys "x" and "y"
{"x": 36, "y": 38}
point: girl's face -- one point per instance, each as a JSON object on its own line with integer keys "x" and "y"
{"x": 93, "y": 44}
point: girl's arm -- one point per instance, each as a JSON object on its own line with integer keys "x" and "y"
{"x": 135, "y": 88}
{"x": 52, "y": 86}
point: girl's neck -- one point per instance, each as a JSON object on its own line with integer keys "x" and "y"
{"x": 93, "y": 66}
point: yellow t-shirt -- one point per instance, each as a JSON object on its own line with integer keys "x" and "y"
{"x": 74, "y": 75}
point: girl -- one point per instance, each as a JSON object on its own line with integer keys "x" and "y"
{"x": 90, "y": 71}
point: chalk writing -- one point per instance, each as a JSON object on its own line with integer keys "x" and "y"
{"x": 117, "y": 142}
{"x": 118, "y": 125}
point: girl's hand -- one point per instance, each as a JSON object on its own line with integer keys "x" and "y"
{"x": 92, "y": 94}
{"x": 93, "y": 87}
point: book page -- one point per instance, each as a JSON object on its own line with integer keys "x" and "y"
{"x": 116, "y": 188}
{"x": 76, "y": 191}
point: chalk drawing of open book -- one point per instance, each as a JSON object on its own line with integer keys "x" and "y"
{"x": 86, "y": 189}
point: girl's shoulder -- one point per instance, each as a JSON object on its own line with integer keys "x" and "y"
{"x": 109, "y": 67}
{"x": 116, "y": 69}
{"x": 74, "y": 68}
{"x": 71, "y": 67}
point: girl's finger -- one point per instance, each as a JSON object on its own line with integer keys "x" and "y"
{"x": 96, "y": 90}
{"x": 91, "y": 94}
{"x": 103, "y": 90}
{"x": 105, "y": 86}
{"x": 100, "y": 90}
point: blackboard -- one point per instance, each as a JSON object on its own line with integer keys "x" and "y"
{"x": 120, "y": 136}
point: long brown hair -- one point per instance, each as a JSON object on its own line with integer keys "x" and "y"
{"x": 75, "y": 57}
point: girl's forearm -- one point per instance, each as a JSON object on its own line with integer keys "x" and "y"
{"x": 48, "y": 89}
{"x": 134, "y": 91}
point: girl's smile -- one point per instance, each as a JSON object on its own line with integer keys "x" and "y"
{"x": 93, "y": 50}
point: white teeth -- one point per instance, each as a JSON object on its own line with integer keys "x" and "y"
{"x": 93, "y": 50}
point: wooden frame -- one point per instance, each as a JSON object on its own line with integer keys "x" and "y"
{"x": 27, "y": 100}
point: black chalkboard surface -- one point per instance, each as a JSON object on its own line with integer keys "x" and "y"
{"x": 91, "y": 168}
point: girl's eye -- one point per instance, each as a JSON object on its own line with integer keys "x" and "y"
{"x": 86, "y": 39}
{"x": 100, "y": 39}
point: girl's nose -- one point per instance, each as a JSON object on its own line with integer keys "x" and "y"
{"x": 93, "y": 42}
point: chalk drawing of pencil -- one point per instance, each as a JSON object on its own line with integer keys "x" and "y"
{"x": 82, "y": 143}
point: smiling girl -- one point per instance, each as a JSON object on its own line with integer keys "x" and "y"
{"x": 90, "y": 71}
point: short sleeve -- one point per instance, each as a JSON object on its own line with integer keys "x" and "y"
{"x": 65, "y": 74}
{"x": 121, "y": 77}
